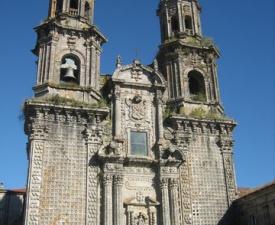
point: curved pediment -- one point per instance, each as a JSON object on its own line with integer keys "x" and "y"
{"x": 138, "y": 75}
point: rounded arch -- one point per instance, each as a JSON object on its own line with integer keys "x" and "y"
{"x": 174, "y": 23}
{"x": 58, "y": 6}
{"x": 70, "y": 69}
{"x": 75, "y": 52}
{"x": 87, "y": 6}
{"x": 188, "y": 23}
{"x": 196, "y": 85}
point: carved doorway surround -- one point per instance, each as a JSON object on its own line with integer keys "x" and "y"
{"x": 141, "y": 210}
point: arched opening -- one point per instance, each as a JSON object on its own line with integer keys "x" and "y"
{"x": 58, "y": 6}
{"x": 196, "y": 86}
{"x": 188, "y": 23}
{"x": 74, "y": 4}
{"x": 70, "y": 69}
{"x": 174, "y": 23}
{"x": 87, "y": 9}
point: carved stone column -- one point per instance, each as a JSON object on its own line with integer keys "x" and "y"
{"x": 159, "y": 111}
{"x": 174, "y": 200}
{"x": 226, "y": 144}
{"x": 117, "y": 111}
{"x": 93, "y": 142}
{"x": 152, "y": 220}
{"x": 165, "y": 201}
{"x": 108, "y": 197}
{"x": 118, "y": 204}
{"x": 37, "y": 136}
{"x": 130, "y": 218}
{"x": 87, "y": 80}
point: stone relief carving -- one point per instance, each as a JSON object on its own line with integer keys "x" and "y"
{"x": 137, "y": 107}
{"x": 136, "y": 71}
{"x": 186, "y": 9}
{"x": 139, "y": 183}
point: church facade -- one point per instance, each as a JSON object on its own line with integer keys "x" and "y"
{"x": 147, "y": 145}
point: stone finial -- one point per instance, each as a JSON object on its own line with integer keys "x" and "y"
{"x": 156, "y": 66}
{"x": 1, "y": 185}
{"x": 118, "y": 61}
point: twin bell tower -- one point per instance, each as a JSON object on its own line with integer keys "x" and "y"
{"x": 148, "y": 145}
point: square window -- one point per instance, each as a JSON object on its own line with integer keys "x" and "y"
{"x": 138, "y": 143}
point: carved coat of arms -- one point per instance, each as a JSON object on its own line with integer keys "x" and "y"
{"x": 137, "y": 107}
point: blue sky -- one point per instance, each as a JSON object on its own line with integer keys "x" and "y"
{"x": 243, "y": 31}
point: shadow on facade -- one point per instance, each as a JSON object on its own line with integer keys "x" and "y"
{"x": 11, "y": 208}
{"x": 229, "y": 217}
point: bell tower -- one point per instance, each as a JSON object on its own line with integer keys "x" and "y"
{"x": 64, "y": 120}
{"x": 194, "y": 122}
{"x": 180, "y": 19}
{"x": 68, "y": 49}
{"x": 188, "y": 60}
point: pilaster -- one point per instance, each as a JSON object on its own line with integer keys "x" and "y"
{"x": 174, "y": 201}
{"x": 226, "y": 144}
{"x": 93, "y": 142}
{"x": 160, "y": 114}
{"x": 108, "y": 200}
{"x": 117, "y": 97}
{"x": 165, "y": 203}
{"x": 118, "y": 204}
{"x": 38, "y": 135}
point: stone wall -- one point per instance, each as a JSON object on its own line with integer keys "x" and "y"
{"x": 11, "y": 206}
{"x": 257, "y": 207}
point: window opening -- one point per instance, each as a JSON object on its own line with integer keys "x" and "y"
{"x": 196, "y": 86}
{"x": 138, "y": 143}
{"x": 74, "y": 4}
{"x": 188, "y": 23}
{"x": 174, "y": 23}
{"x": 59, "y": 6}
{"x": 87, "y": 9}
{"x": 69, "y": 70}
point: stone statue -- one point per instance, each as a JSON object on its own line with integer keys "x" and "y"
{"x": 140, "y": 220}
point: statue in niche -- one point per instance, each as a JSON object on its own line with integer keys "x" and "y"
{"x": 140, "y": 220}
{"x": 137, "y": 107}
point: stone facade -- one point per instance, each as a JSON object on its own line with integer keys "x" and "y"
{"x": 150, "y": 145}
{"x": 257, "y": 206}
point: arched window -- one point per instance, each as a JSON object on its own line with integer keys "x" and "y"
{"x": 196, "y": 86}
{"x": 174, "y": 23}
{"x": 74, "y": 4}
{"x": 58, "y": 6}
{"x": 188, "y": 23}
{"x": 70, "y": 70}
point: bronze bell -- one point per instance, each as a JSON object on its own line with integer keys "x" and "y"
{"x": 70, "y": 66}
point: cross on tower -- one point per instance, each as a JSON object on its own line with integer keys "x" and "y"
{"x": 136, "y": 50}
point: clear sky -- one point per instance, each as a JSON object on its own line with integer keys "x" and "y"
{"x": 242, "y": 29}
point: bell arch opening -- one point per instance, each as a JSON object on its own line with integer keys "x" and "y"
{"x": 188, "y": 23}
{"x": 87, "y": 9}
{"x": 70, "y": 69}
{"x": 174, "y": 24}
{"x": 74, "y": 4}
{"x": 58, "y": 7}
{"x": 196, "y": 86}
